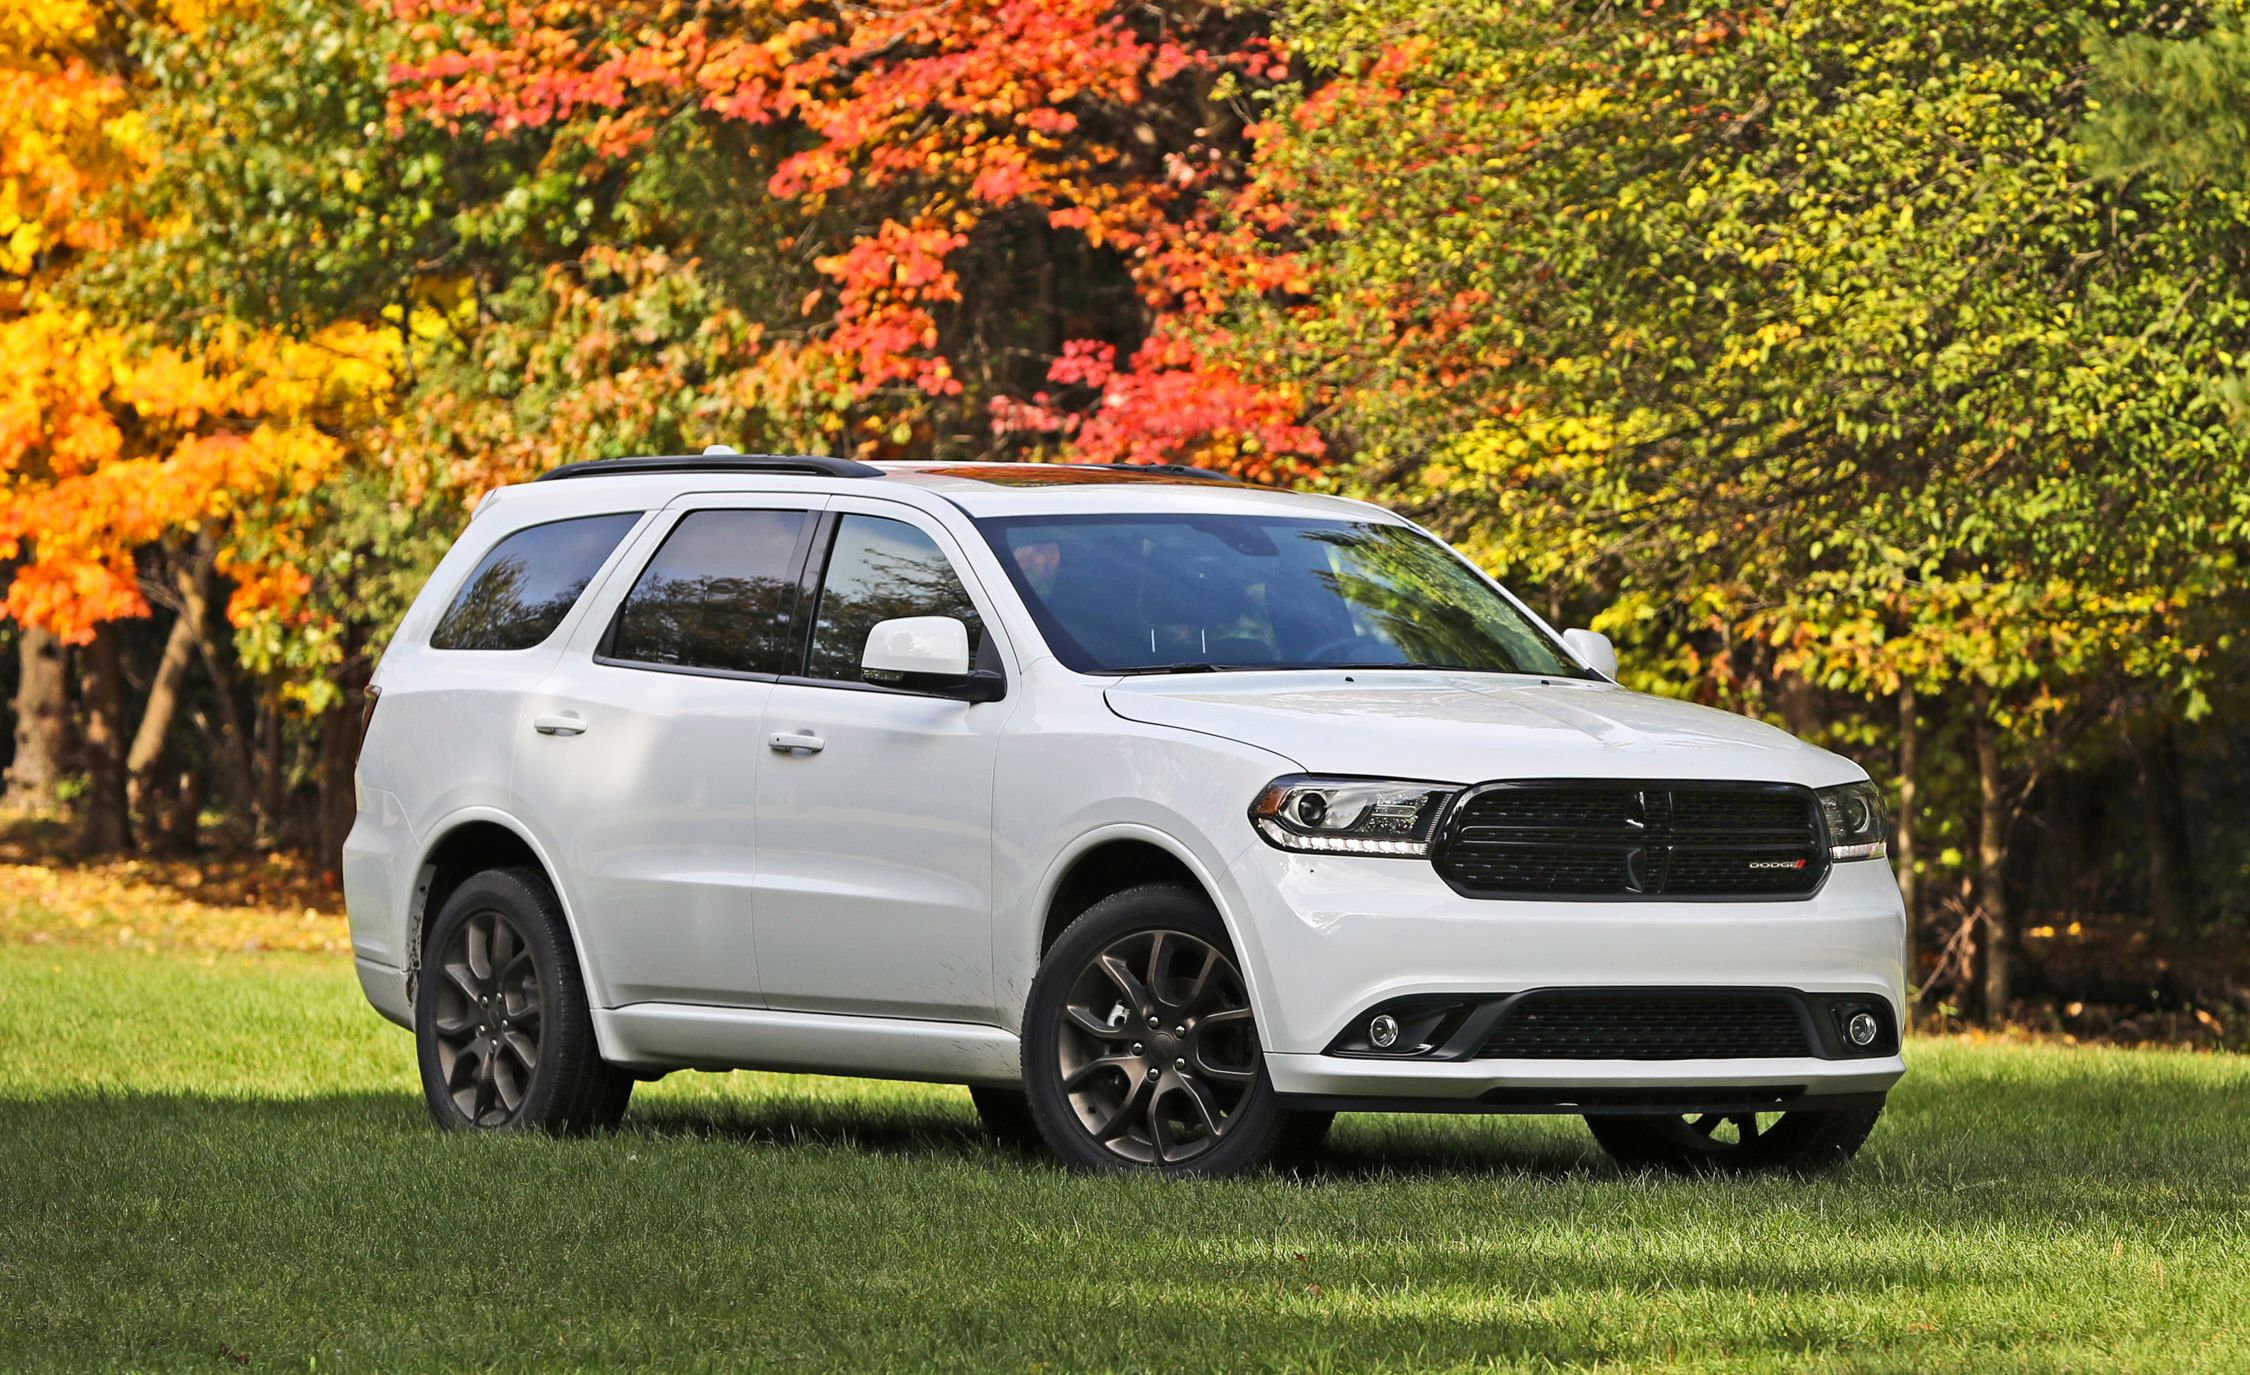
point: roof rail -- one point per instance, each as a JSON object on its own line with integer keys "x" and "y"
{"x": 801, "y": 465}
{"x": 1161, "y": 470}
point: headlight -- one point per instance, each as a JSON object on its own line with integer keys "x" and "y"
{"x": 1853, "y": 816}
{"x": 1349, "y": 816}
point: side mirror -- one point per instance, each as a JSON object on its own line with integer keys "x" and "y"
{"x": 1593, "y": 650}
{"x": 925, "y": 654}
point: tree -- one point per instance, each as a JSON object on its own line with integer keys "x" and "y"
{"x": 942, "y": 167}
{"x": 128, "y": 463}
{"x": 1796, "y": 346}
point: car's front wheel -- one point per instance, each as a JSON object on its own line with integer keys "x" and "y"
{"x": 500, "y": 1015}
{"x": 1140, "y": 1050}
{"x": 1803, "y": 1140}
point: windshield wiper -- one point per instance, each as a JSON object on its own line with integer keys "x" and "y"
{"x": 1148, "y": 669}
{"x": 1450, "y": 668}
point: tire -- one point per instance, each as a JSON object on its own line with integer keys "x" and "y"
{"x": 1140, "y": 1051}
{"x": 1803, "y": 1141}
{"x": 1005, "y": 1115}
{"x": 505, "y": 1040}
{"x": 1302, "y": 1136}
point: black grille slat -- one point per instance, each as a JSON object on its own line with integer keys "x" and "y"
{"x": 1631, "y": 1026}
{"x": 1579, "y": 839}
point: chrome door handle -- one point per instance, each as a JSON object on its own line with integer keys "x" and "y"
{"x": 796, "y": 741}
{"x": 559, "y": 725}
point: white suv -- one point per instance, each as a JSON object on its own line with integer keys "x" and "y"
{"x": 1172, "y": 816}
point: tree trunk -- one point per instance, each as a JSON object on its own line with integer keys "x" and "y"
{"x": 272, "y": 786}
{"x": 2172, "y": 896}
{"x": 42, "y": 722}
{"x": 1909, "y": 760}
{"x": 234, "y": 745}
{"x": 339, "y": 755}
{"x": 1992, "y": 861}
{"x": 102, "y": 825}
{"x": 144, "y": 762}
{"x": 1799, "y": 703}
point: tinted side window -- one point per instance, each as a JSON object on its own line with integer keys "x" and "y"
{"x": 721, "y": 593}
{"x": 519, "y": 593}
{"x": 879, "y": 570}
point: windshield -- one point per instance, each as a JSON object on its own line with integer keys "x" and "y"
{"x": 1179, "y": 593}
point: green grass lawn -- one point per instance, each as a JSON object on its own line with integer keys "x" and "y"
{"x": 207, "y": 1164}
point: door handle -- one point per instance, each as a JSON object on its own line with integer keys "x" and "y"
{"x": 796, "y": 741}
{"x": 559, "y": 725}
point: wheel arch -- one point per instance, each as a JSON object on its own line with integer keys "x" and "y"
{"x": 469, "y": 842}
{"x": 1114, "y": 858}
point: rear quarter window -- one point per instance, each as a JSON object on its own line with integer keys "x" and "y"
{"x": 520, "y": 591}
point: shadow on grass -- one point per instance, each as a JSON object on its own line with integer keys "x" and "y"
{"x": 934, "y": 1131}
{"x": 931, "y": 1130}
{"x": 2085, "y": 1142}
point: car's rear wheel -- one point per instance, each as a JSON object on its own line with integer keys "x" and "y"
{"x": 505, "y": 1038}
{"x": 1140, "y": 1048}
{"x": 1803, "y": 1140}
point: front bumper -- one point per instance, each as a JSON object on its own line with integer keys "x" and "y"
{"x": 1328, "y": 937}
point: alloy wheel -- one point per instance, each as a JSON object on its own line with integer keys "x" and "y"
{"x": 1158, "y": 1052}
{"x": 489, "y": 1012}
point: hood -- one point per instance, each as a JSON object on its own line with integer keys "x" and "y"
{"x": 1469, "y": 727}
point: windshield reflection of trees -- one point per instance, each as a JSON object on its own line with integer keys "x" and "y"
{"x": 1421, "y": 604}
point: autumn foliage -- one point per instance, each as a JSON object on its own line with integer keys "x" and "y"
{"x": 929, "y": 130}
{"x": 1877, "y": 367}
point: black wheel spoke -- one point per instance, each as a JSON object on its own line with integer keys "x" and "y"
{"x": 1127, "y": 1109}
{"x": 1204, "y": 1107}
{"x": 484, "y": 1087}
{"x": 511, "y": 1082}
{"x": 1746, "y": 1124}
{"x": 478, "y": 950}
{"x": 459, "y": 1074}
{"x": 1136, "y": 994}
{"x": 1085, "y": 1020}
{"x": 1705, "y": 1124}
{"x": 503, "y": 951}
{"x": 1226, "y": 1017}
{"x": 523, "y": 1048}
{"x": 1200, "y": 987}
{"x": 1229, "y": 1074}
{"x": 461, "y": 976}
{"x": 1128, "y": 1065}
{"x": 1160, "y": 1123}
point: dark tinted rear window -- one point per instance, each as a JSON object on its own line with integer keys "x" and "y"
{"x": 520, "y": 591}
{"x": 721, "y": 594}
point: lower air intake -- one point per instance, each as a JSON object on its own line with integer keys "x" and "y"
{"x": 1630, "y": 1026}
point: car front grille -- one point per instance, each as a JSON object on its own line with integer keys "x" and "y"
{"x": 1564, "y": 1025}
{"x": 1573, "y": 839}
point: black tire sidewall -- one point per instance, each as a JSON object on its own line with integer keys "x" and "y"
{"x": 1153, "y": 907}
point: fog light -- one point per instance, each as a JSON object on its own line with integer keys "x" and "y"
{"x": 1383, "y": 1031}
{"x": 1862, "y": 1029}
